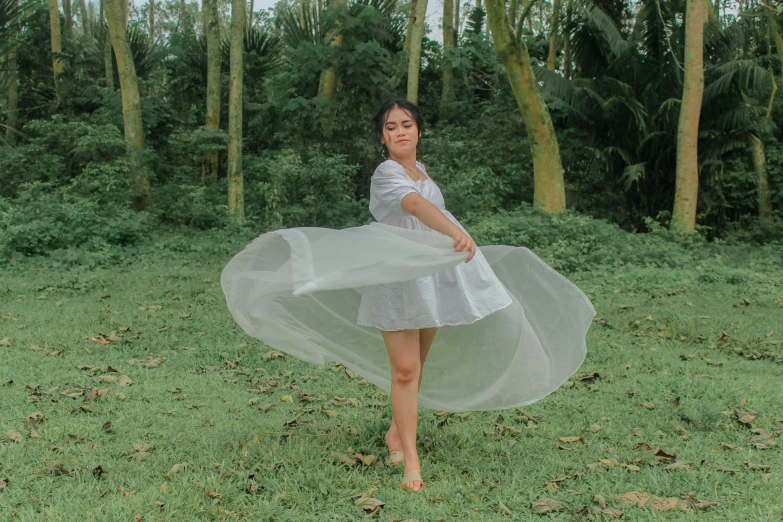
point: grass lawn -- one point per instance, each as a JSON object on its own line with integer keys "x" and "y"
{"x": 129, "y": 394}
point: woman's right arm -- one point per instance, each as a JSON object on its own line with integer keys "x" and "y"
{"x": 431, "y": 216}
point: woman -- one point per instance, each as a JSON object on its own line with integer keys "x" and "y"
{"x": 510, "y": 329}
{"x": 409, "y": 313}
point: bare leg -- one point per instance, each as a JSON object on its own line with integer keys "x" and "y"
{"x": 426, "y": 336}
{"x": 404, "y": 356}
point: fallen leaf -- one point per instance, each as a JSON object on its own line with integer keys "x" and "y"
{"x": 648, "y": 405}
{"x": 5, "y": 342}
{"x": 13, "y": 436}
{"x": 503, "y": 509}
{"x": 546, "y": 505}
{"x": 125, "y": 381}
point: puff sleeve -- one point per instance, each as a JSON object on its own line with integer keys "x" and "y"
{"x": 388, "y": 186}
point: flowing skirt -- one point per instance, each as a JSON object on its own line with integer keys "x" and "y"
{"x": 299, "y": 291}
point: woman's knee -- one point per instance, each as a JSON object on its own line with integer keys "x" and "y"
{"x": 406, "y": 372}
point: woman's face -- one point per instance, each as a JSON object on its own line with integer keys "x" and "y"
{"x": 400, "y": 133}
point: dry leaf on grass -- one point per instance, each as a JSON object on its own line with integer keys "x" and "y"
{"x": 368, "y": 503}
{"x": 546, "y": 505}
{"x": 13, "y": 436}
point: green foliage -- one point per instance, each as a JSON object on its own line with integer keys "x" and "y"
{"x": 575, "y": 242}
{"x": 284, "y": 189}
{"x": 84, "y": 214}
{"x": 192, "y": 205}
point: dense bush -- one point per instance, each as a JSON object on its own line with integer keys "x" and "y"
{"x": 89, "y": 212}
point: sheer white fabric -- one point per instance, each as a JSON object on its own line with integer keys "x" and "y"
{"x": 513, "y": 329}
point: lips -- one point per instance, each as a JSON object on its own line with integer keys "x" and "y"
{"x": 400, "y": 141}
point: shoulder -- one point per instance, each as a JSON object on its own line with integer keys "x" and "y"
{"x": 388, "y": 169}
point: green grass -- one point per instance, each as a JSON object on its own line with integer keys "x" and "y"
{"x": 652, "y": 341}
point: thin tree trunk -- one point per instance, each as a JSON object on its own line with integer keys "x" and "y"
{"x": 411, "y": 21}
{"x": 328, "y": 81}
{"x": 567, "y": 41}
{"x": 457, "y": 7}
{"x": 84, "y": 18}
{"x": 12, "y": 121}
{"x": 212, "y": 30}
{"x": 57, "y": 64}
{"x": 250, "y": 17}
{"x": 687, "y": 176}
{"x": 236, "y": 198}
{"x": 549, "y": 189}
{"x": 448, "y": 46}
{"x": 414, "y": 60}
{"x": 107, "y": 51}
{"x": 762, "y": 178}
{"x": 131, "y": 102}
{"x": 152, "y": 21}
{"x": 68, "y": 19}
{"x": 550, "y": 62}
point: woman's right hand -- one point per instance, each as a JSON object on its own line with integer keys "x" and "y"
{"x": 464, "y": 243}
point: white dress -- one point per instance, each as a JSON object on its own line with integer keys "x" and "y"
{"x": 459, "y": 295}
{"x": 512, "y": 329}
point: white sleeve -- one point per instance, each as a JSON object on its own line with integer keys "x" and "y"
{"x": 388, "y": 186}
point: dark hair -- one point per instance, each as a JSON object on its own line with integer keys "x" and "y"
{"x": 402, "y": 103}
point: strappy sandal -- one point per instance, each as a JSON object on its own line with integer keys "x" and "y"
{"x": 412, "y": 476}
{"x": 394, "y": 458}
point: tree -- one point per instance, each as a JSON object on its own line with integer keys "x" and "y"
{"x": 549, "y": 189}
{"x": 448, "y": 45}
{"x": 68, "y": 18}
{"x": 328, "y": 82}
{"x": 152, "y": 21}
{"x": 212, "y": 31}
{"x": 84, "y": 18}
{"x": 57, "y": 48}
{"x": 550, "y": 62}
{"x": 8, "y": 19}
{"x": 414, "y": 59}
{"x": 236, "y": 197}
{"x": 131, "y": 102}
{"x": 687, "y": 175}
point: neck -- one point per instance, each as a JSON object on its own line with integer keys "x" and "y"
{"x": 406, "y": 161}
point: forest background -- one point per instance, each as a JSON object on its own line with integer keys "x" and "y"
{"x": 633, "y": 145}
{"x": 581, "y": 106}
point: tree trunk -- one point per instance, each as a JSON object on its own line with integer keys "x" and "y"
{"x": 550, "y": 62}
{"x": 406, "y": 48}
{"x": 414, "y": 59}
{"x": 250, "y": 17}
{"x": 456, "y": 22}
{"x": 236, "y": 197}
{"x": 513, "y": 7}
{"x": 687, "y": 177}
{"x": 762, "y": 179}
{"x": 549, "y": 190}
{"x": 84, "y": 18}
{"x": 12, "y": 121}
{"x": 152, "y": 21}
{"x": 57, "y": 64}
{"x": 212, "y": 30}
{"x": 328, "y": 81}
{"x": 567, "y": 41}
{"x": 448, "y": 46}
{"x": 68, "y": 18}
{"x": 131, "y": 103}
{"x": 774, "y": 29}
{"x": 107, "y": 62}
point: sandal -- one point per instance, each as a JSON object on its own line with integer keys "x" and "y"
{"x": 412, "y": 476}
{"x": 394, "y": 458}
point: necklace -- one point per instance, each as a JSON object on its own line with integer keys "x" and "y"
{"x": 415, "y": 172}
